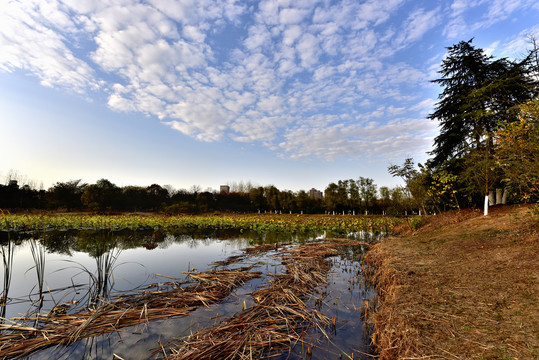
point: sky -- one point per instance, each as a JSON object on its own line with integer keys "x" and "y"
{"x": 296, "y": 94}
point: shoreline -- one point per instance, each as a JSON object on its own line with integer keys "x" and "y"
{"x": 462, "y": 286}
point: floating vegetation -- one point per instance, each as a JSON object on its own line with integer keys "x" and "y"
{"x": 281, "y": 314}
{"x": 337, "y": 224}
{"x": 7, "y": 251}
{"x": 38, "y": 254}
{"x": 58, "y": 327}
{"x": 279, "y": 317}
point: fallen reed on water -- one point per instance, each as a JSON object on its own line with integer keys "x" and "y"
{"x": 279, "y": 316}
{"x": 209, "y": 287}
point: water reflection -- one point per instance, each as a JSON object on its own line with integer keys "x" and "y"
{"x": 7, "y": 262}
{"x": 79, "y": 269}
{"x": 69, "y": 270}
{"x": 38, "y": 254}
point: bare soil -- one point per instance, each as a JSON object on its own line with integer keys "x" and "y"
{"x": 463, "y": 286}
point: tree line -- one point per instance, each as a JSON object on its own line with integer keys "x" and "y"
{"x": 348, "y": 196}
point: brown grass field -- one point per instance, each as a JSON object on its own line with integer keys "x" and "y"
{"x": 463, "y": 286}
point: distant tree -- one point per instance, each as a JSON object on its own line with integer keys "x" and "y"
{"x": 205, "y": 202}
{"x": 157, "y": 196}
{"x": 101, "y": 196}
{"x": 442, "y": 191}
{"x": 342, "y": 194}
{"x": 303, "y": 201}
{"x": 385, "y": 198}
{"x": 416, "y": 180}
{"x": 354, "y": 197}
{"x": 287, "y": 199}
{"x": 135, "y": 198}
{"x": 256, "y": 195}
{"x": 241, "y": 186}
{"x": 10, "y": 195}
{"x": 332, "y": 198}
{"x": 367, "y": 191}
{"x": 170, "y": 189}
{"x": 398, "y": 201}
{"x": 67, "y": 194}
{"x": 272, "y": 197}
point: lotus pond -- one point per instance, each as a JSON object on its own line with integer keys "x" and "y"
{"x": 60, "y": 268}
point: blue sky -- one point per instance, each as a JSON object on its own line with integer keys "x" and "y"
{"x": 296, "y": 94}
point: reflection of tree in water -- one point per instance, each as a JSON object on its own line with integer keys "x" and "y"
{"x": 273, "y": 237}
{"x": 153, "y": 240}
{"x": 59, "y": 242}
{"x": 103, "y": 247}
{"x": 105, "y": 252}
{"x": 103, "y": 280}
{"x": 38, "y": 254}
{"x": 352, "y": 252}
{"x": 7, "y": 262}
{"x": 96, "y": 242}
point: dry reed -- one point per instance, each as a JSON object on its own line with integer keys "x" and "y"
{"x": 277, "y": 320}
{"x": 210, "y": 287}
{"x": 279, "y": 316}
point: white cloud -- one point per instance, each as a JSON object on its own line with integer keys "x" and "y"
{"x": 291, "y": 34}
{"x": 259, "y": 37}
{"x": 419, "y": 22}
{"x": 424, "y": 107}
{"x": 359, "y": 141}
{"x": 305, "y": 77}
{"x": 205, "y": 121}
{"x": 193, "y": 33}
{"x": 290, "y": 16}
{"x": 28, "y": 42}
{"x": 493, "y": 12}
{"x": 308, "y": 50}
{"x": 520, "y": 44}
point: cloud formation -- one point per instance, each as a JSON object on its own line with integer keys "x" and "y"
{"x": 304, "y": 78}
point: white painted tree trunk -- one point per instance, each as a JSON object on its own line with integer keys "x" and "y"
{"x": 486, "y": 205}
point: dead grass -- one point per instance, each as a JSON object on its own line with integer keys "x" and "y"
{"x": 279, "y": 315}
{"x": 463, "y": 286}
{"x": 277, "y": 319}
{"x": 209, "y": 287}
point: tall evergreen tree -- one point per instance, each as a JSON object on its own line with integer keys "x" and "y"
{"x": 479, "y": 93}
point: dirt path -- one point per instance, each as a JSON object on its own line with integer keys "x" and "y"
{"x": 463, "y": 286}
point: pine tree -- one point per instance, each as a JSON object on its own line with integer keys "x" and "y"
{"x": 479, "y": 93}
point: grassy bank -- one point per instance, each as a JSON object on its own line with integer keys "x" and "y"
{"x": 462, "y": 286}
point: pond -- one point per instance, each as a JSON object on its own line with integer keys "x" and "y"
{"x": 68, "y": 271}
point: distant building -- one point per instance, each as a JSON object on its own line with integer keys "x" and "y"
{"x": 316, "y": 194}
{"x": 225, "y": 189}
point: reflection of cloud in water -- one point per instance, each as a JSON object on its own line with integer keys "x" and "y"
{"x": 133, "y": 266}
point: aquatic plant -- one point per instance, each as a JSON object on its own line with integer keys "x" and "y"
{"x": 7, "y": 262}
{"x": 336, "y": 224}
{"x": 38, "y": 254}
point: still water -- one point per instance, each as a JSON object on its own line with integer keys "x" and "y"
{"x": 44, "y": 272}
